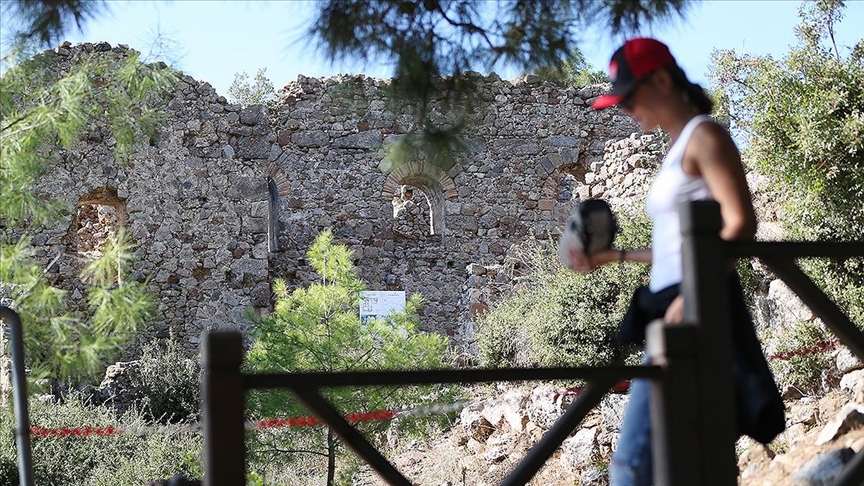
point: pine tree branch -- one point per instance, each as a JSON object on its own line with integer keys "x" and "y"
{"x": 466, "y": 25}
{"x": 6, "y": 136}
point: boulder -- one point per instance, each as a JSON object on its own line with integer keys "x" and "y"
{"x": 506, "y": 410}
{"x": 580, "y": 450}
{"x": 476, "y": 426}
{"x": 850, "y": 416}
{"x": 823, "y": 470}
{"x": 853, "y": 385}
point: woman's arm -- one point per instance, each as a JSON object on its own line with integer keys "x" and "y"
{"x": 712, "y": 155}
{"x": 581, "y": 262}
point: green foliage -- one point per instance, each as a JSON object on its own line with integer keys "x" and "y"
{"x": 801, "y": 370}
{"x": 318, "y": 328}
{"x": 426, "y": 39}
{"x": 165, "y": 386}
{"x": 556, "y": 317}
{"x": 63, "y": 345}
{"x": 118, "y": 460}
{"x": 41, "y": 108}
{"x": 245, "y": 93}
{"x": 438, "y": 148}
{"x": 803, "y": 119}
{"x": 574, "y": 70}
{"x": 46, "y": 21}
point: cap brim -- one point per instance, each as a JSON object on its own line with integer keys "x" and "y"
{"x": 607, "y": 100}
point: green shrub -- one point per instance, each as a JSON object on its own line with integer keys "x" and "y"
{"x": 843, "y": 281}
{"x": 166, "y": 384}
{"x": 800, "y": 117}
{"x": 793, "y": 365}
{"x": 115, "y": 460}
{"x": 556, "y": 317}
{"x": 318, "y": 328}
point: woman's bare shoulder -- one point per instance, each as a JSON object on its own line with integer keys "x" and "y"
{"x": 713, "y": 141}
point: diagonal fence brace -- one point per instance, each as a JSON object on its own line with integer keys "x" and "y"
{"x": 552, "y": 439}
{"x": 818, "y": 302}
{"x": 355, "y": 440}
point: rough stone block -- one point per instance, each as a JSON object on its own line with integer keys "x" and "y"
{"x": 254, "y": 115}
{"x": 252, "y": 148}
{"x": 580, "y": 450}
{"x": 310, "y": 138}
{"x": 362, "y": 140}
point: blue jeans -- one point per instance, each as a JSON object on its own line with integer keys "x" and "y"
{"x": 631, "y": 461}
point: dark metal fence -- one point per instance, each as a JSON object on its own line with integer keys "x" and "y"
{"x": 692, "y": 395}
{"x": 692, "y": 409}
{"x": 19, "y": 395}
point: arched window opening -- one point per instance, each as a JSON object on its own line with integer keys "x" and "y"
{"x": 412, "y": 214}
{"x": 273, "y": 216}
{"x": 418, "y": 191}
{"x": 418, "y": 209}
{"x": 99, "y": 216}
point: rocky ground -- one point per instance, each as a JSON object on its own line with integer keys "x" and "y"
{"x": 494, "y": 433}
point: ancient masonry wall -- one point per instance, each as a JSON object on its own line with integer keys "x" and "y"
{"x": 229, "y": 198}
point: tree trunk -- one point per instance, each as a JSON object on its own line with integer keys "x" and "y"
{"x": 57, "y": 390}
{"x": 331, "y": 457}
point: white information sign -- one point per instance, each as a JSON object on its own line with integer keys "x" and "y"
{"x": 380, "y": 303}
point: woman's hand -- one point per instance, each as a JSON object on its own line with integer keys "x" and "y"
{"x": 579, "y": 261}
{"x": 675, "y": 311}
{"x": 582, "y": 262}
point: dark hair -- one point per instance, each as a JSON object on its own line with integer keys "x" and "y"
{"x": 694, "y": 93}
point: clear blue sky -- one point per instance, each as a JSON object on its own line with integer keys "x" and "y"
{"x": 213, "y": 40}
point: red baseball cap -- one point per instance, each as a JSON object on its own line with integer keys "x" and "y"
{"x": 630, "y": 64}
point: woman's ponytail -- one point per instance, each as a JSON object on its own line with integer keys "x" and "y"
{"x": 692, "y": 91}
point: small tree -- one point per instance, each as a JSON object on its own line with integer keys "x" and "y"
{"x": 574, "y": 70}
{"x": 245, "y": 93}
{"x": 318, "y": 328}
{"x": 802, "y": 117}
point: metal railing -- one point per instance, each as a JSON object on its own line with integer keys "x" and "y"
{"x": 225, "y": 386}
{"x": 692, "y": 394}
{"x": 19, "y": 396}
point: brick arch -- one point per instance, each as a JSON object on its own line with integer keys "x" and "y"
{"x": 279, "y": 179}
{"x": 431, "y": 180}
{"x": 419, "y": 172}
{"x": 549, "y": 186}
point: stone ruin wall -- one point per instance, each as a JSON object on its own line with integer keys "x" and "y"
{"x": 229, "y": 198}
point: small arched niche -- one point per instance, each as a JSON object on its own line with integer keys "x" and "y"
{"x": 417, "y": 212}
{"x": 272, "y": 216}
{"x": 278, "y": 187}
{"x": 99, "y": 215}
{"x": 418, "y": 191}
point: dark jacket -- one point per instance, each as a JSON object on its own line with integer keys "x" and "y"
{"x": 759, "y": 406}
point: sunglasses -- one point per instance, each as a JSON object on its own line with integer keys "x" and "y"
{"x": 628, "y": 102}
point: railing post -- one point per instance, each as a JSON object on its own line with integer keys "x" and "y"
{"x": 674, "y": 417}
{"x": 222, "y": 396}
{"x": 19, "y": 396}
{"x": 706, "y": 304}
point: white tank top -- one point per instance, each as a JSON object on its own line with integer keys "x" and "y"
{"x": 671, "y": 187}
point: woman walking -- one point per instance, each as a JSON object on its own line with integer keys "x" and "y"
{"x": 702, "y": 163}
